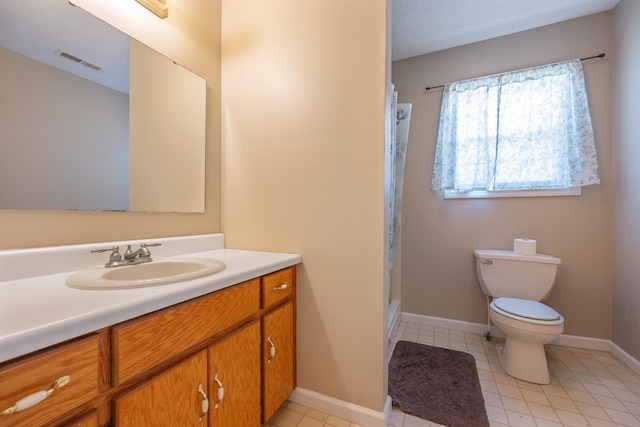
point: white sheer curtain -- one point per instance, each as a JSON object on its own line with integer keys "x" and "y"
{"x": 528, "y": 129}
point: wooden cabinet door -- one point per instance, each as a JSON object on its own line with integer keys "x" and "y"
{"x": 278, "y": 366}
{"x": 235, "y": 363}
{"x": 90, "y": 420}
{"x": 168, "y": 400}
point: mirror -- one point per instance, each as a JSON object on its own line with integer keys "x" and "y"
{"x": 91, "y": 119}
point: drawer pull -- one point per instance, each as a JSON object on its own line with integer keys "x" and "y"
{"x": 37, "y": 397}
{"x": 272, "y": 350}
{"x": 281, "y": 287}
{"x": 220, "y": 391}
{"x": 204, "y": 407}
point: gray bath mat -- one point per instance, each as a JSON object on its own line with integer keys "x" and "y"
{"x": 436, "y": 384}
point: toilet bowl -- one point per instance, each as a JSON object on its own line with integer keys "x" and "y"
{"x": 516, "y": 283}
{"x": 528, "y": 326}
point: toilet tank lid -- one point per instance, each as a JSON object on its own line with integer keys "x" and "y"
{"x": 497, "y": 254}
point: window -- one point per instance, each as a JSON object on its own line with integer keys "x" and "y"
{"x": 525, "y": 130}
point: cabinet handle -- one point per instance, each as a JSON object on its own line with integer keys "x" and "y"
{"x": 37, "y": 397}
{"x": 272, "y": 350}
{"x": 220, "y": 391}
{"x": 204, "y": 407}
{"x": 281, "y": 287}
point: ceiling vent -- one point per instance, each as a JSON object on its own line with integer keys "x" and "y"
{"x": 78, "y": 60}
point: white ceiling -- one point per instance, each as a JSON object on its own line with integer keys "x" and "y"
{"x": 424, "y": 26}
{"x": 418, "y": 27}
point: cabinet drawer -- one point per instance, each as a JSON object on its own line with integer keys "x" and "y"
{"x": 144, "y": 343}
{"x": 78, "y": 360}
{"x": 277, "y": 286}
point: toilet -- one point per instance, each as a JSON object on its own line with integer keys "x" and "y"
{"x": 517, "y": 283}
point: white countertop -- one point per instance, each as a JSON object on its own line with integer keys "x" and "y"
{"x": 39, "y": 311}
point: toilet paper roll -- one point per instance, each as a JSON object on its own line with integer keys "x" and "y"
{"x": 524, "y": 246}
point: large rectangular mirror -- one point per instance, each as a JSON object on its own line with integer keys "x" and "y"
{"x": 91, "y": 119}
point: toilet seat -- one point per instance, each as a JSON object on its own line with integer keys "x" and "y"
{"x": 526, "y": 311}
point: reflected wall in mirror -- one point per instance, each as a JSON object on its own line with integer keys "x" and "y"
{"x": 93, "y": 120}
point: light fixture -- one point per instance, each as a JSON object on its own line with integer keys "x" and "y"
{"x": 159, "y": 7}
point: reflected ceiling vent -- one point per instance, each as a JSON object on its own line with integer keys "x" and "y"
{"x": 78, "y": 60}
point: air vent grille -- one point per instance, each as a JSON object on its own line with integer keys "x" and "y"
{"x": 78, "y": 60}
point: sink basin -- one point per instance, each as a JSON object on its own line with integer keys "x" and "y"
{"x": 154, "y": 273}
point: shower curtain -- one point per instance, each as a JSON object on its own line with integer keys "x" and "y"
{"x": 399, "y": 139}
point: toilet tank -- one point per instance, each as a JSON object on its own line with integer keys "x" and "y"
{"x": 508, "y": 274}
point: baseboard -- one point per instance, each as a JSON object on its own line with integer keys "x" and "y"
{"x": 442, "y": 322}
{"x": 625, "y": 357}
{"x": 341, "y": 409}
{"x": 563, "y": 340}
{"x": 583, "y": 342}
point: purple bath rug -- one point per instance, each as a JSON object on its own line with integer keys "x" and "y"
{"x": 437, "y": 384}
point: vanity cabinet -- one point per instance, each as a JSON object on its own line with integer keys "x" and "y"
{"x": 278, "y": 364}
{"x": 278, "y": 340}
{"x": 144, "y": 343}
{"x": 234, "y": 347}
{"x": 90, "y": 420}
{"x": 73, "y": 366}
{"x": 174, "y": 398}
{"x": 234, "y": 380}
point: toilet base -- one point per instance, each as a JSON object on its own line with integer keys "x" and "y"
{"x": 525, "y": 361}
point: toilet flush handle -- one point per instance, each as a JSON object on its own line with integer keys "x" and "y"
{"x": 487, "y": 261}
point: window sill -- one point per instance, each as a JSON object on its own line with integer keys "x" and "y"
{"x": 450, "y": 194}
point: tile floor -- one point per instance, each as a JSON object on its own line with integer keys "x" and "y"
{"x": 293, "y": 415}
{"x": 588, "y": 388}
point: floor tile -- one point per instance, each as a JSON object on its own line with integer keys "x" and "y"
{"x": 588, "y": 388}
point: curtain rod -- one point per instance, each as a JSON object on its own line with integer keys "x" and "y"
{"x": 581, "y": 59}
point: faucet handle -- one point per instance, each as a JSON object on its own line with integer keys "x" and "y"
{"x": 115, "y": 248}
{"x": 145, "y": 245}
{"x": 145, "y": 253}
{"x": 115, "y": 253}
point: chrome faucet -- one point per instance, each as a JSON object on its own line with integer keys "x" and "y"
{"x": 116, "y": 259}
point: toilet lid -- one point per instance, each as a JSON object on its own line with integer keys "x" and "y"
{"x": 525, "y": 308}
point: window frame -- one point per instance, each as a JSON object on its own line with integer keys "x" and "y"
{"x": 548, "y": 192}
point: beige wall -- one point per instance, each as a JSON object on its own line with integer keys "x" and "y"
{"x": 626, "y": 290}
{"x": 304, "y": 125}
{"x": 438, "y": 237}
{"x": 191, "y": 36}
